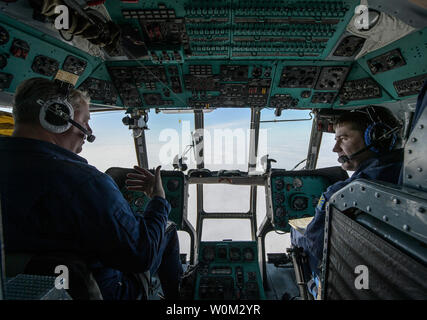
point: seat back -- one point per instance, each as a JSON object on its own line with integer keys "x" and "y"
{"x": 362, "y": 265}
{"x": 415, "y": 163}
{"x": 375, "y": 243}
{"x": 82, "y": 284}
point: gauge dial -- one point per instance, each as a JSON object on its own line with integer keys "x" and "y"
{"x": 299, "y": 203}
{"x": 279, "y": 184}
{"x": 235, "y": 254}
{"x": 297, "y": 183}
{"x": 139, "y": 202}
{"x": 279, "y": 198}
{"x": 280, "y": 212}
{"x": 248, "y": 254}
{"x": 172, "y": 185}
{"x": 208, "y": 253}
{"x": 4, "y": 36}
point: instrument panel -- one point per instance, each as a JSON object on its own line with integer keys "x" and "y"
{"x": 175, "y": 187}
{"x": 295, "y": 194}
{"x": 228, "y": 270}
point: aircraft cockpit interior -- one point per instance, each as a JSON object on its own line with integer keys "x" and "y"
{"x": 198, "y": 57}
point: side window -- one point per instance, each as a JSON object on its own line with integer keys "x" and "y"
{"x": 114, "y": 146}
{"x": 287, "y": 142}
{"x": 327, "y": 158}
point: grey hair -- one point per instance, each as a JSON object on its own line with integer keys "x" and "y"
{"x": 25, "y": 106}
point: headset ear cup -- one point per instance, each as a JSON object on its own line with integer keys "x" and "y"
{"x": 374, "y": 132}
{"x": 53, "y": 122}
{"x": 368, "y": 135}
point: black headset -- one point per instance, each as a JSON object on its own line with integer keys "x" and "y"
{"x": 379, "y": 137}
{"x": 57, "y": 114}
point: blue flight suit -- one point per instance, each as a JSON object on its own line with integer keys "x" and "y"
{"x": 54, "y": 201}
{"x": 383, "y": 167}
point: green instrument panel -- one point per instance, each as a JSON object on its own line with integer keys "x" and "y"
{"x": 228, "y": 270}
{"x": 175, "y": 189}
{"x": 294, "y": 195}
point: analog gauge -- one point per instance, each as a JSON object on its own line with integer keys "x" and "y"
{"x": 174, "y": 202}
{"x": 139, "y": 202}
{"x": 4, "y": 36}
{"x": 248, "y": 254}
{"x": 280, "y": 212}
{"x": 172, "y": 185}
{"x": 279, "y": 184}
{"x": 234, "y": 254}
{"x": 208, "y": 253}
{"x": 299, "y": 203}
{"x": 279, "y": 198}
{"x": 222, "y": 252}
{"x": 297, "y": 183}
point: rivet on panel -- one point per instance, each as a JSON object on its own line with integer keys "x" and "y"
{"x": 419, "y": 169}
{"x": 408, "y": 176}
{"x": 368, "y": 208}
{"x": 406, "y": 227}
{"x": 385, "y": 218}
{"x": 421, "y": 210}
{"x": 409, "y": 151}
{"x": 421, "y": 126}
{"x": 362, "y": 188}
{"x": 396, "y": 201}
{"x": 377, "y": 195}
{"x": 414, "y": 140}
{"x": 354, "y": 203}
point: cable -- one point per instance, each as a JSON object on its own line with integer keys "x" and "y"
{"x": 61, "y": 33}
{"x": 298, "y": 164}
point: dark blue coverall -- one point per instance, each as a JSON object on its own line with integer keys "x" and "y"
{"x": 54, "y": 201}
{"x": 382, "y": 167}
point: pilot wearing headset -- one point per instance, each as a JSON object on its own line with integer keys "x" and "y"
{"x": 365, "y": 143}
{"x": 54, "y": 201}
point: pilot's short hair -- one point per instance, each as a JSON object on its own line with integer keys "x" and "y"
{"x": 25, "y": 106}
{"x": 360, "y": 119}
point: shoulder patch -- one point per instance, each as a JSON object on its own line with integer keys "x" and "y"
{"x": 321, "y": 202}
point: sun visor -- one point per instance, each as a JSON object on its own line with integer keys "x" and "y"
{"x": 387, "y": 30}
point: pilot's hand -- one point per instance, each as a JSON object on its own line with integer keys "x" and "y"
{"x": 146, "y": 182}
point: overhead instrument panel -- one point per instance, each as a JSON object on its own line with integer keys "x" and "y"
{"x": 25, "y": 52}
{"x": 164, "y": 54}
{"x": 235, "y": 29}
{"x": 399, "y": 67}
{"x": 349, "y": 46}
{"x": 228, "y": 270}
{"x": 295, "y": 194}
